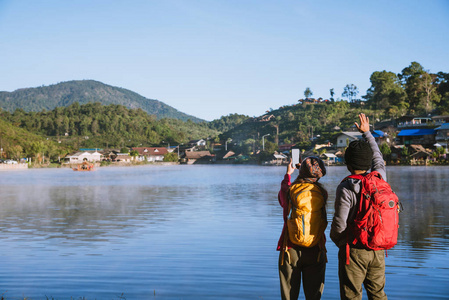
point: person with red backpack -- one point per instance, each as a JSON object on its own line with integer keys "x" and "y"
{"x": 302, "y": 243}
{"x": 365, "y": 221}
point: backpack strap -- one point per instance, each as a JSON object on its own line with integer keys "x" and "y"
{"x": 284, "y": 242}
{"x": 361, "y": 178}
{"x": 348, "y": 253}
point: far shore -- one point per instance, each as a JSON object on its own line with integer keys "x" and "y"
{"x": 24, "y": 166}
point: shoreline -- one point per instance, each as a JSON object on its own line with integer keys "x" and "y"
{"x": 4, "y": 167}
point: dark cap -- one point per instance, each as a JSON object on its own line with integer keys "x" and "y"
{"x": 359, "y": 155}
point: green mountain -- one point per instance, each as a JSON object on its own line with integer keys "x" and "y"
{"x": 85, "y": 91}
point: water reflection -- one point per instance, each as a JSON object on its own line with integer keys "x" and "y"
{"x": 424, "y": 221}
{"x": 85, "y": 213}
{"x": 192, "y": 232}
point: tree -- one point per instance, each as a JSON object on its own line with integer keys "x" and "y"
{"x": 249, "y": 146}
{"x": 308, "y": 93}
{"x": 171, "y": 157}
{"x": 410, "y": 71}
{"x": 350, "y": 92}
{"x": 387, "y": 93}
{"x": 14, "y": 152}
{"x": 385, "y": 150}
{"x": 37, "y": 149}
{"x": 94, "y": 127}
{"x": 443, "y": 91}
{"x": 331, "y": 91}
{"x": 276, "y": 125}
{"x": 421, "y": 87}
{"x": 270, "y": 147}
{"x": 422, "y": 91}
{"x": 405, "y": 154}
{"x": 429, "y": 93}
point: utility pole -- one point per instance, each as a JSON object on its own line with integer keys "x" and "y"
{"x": 277, "y": 133}
{"x": 263, "y": 141}
{"x": 226, "y": 143}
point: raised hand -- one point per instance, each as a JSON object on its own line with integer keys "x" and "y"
{"x": 364, "y": 123}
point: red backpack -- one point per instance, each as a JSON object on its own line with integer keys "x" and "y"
{"x": 377, "y": 219}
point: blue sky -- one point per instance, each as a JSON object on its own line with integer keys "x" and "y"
{"x": 211, "y": 58}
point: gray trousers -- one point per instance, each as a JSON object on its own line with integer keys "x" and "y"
{"x": 306, "y": 263}
{"x": 365, "y": 267}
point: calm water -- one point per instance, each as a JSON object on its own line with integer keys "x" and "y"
{"x": 191, "y": 232}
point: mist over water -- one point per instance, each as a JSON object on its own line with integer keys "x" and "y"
{"x": 191, "y": 232}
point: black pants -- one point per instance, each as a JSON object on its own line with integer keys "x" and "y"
{"x": 306, "y": 263}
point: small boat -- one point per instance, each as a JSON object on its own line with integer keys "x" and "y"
{"x": 85, "y": 166}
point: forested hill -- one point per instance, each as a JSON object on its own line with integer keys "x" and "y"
{"x": 84, "y": 91}
{"x": 17, "y": 143}
{"x": 94, "y": 125}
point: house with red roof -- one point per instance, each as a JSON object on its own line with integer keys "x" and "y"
{"x": 151, "y": 154}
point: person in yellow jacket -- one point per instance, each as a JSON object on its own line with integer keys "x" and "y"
{"x": 302, "y": 242}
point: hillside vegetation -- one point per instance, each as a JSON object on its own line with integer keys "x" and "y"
{"x": 17, "y": 143}
{"x": 297, "y": 124}
{"x": 106, "y": 126}
{"x": 85, "y": 91}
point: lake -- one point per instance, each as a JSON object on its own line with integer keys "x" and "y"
{"x": 191, "y": 232}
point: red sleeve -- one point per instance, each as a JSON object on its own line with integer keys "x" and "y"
{"x": 282, "y": 196}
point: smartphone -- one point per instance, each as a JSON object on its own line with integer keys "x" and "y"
{"x": 295, "y": 156}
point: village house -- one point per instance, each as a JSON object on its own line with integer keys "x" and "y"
{"x": 419, "y": 153}
{"x": 151, "y": 154}
{"x": 79, "y": 157}
{"x": 346, "y": 137}
{"x": 442, "y": 135}
{"x": 277, "y": 159}
{"x": 193, "y": 157}
{"x": 396, "y": 151}
{"x": 330, "y": 158}
{"x": 440, "y": 120}
{"x": 123, "y": 157}
{"x": 380, "y": 136}
{"x": 217, "y": 147}
{"x": 197, "y": 143}
{"x": 229, "y": 155}
{"x": 286, "y": 147}
{"x": 109, "y": 155}
{"x": 413, "y": 122}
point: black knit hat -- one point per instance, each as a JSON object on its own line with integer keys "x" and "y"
{"x": 359, "y": 155}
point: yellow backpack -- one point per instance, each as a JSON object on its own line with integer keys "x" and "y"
{"x": 307, "y": 220}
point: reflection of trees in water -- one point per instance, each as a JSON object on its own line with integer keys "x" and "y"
{"x": 86, "y": 212}
{"x": 423, "y": 192}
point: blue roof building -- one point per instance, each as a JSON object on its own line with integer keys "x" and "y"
{"x": 421, "y": 136}
{"x": 379, "y": 134}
